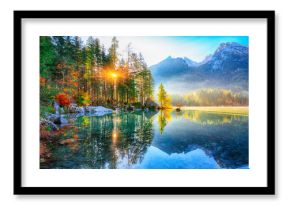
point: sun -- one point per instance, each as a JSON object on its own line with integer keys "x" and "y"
{"x": 114, "y": 75}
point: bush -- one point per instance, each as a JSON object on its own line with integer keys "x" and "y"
{"x": 83, "y": 99}
{"x": 63, "y": 99}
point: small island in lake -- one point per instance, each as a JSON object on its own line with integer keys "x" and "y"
{"x": 139, "y": 103}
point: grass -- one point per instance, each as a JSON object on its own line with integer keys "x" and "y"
{"x": 221, "y": 110}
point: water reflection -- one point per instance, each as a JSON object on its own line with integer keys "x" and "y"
{"x": 167, "y": 139}
{"x": 164, "y": 117}
{"x": 206, "y": 118}
{"x": 195, "y": 159}
{"x": 223, "y": 137}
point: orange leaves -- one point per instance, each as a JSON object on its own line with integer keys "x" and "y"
{"x": 44, "y": 134}
{"x": 69, "y": 82}
{"x": 66, "y": 141}
{"x": 65, "y": 90}
{"x": 75, "y": 84}
{"x": 42, "y": 149}
{"x": 75, "y": 74}
{"x": 69, "y": 141}
{"x": 66, "y": 136}
{"x": 72, "y": 143}
{"x": 69, "y": 131}
{"x": 62, "y": 99}
{"x": 76, "y": 137}
{"x": 42, "y": 81}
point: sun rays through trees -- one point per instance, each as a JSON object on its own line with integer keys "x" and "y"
{"x": 89, "y": 73}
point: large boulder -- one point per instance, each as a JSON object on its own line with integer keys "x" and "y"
{"x": 52, "y": 117}
{"x": 57, "y": 119}
{"x": 98, "y": 110}
{"x": 74, "y": 108}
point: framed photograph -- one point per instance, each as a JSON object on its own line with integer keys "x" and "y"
{"x": 144, "y": 102}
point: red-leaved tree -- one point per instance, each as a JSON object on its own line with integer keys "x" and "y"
{"x": 63, "y": 99}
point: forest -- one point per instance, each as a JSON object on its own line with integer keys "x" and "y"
{"x": 211, "y": 97}
{"x": 90, "y": 74}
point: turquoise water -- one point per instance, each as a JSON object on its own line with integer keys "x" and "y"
{"x": 151, "y": 140}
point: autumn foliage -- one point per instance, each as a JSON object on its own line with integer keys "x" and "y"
{"x": 63, "y": 99}
{"x": 83, "y": 99}
{"x": 42, "y": 81}
{"x": 91, "y": 74}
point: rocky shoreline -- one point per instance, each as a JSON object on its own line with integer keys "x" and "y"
{"x": 52, "y": 120}
{"x": 59, "y": 117}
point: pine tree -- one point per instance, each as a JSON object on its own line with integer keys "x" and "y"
{"x": 113, "y": 55}
{"x": 163, "y": 98}
{"x": 47, "y": 56}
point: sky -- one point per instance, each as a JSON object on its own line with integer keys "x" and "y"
{"x": 157, "y": 48}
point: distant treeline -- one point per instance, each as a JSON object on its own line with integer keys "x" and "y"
{"x": 211, "y": 97}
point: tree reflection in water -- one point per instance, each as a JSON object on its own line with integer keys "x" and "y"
{"x": 164, "y": 117}
{"x": 221, "y": 136}
{"x": 109, "y": 141}
{"x": 168, "y": 139}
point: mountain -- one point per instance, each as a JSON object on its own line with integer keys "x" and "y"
{"x": 190, "y": 62}
{"x": 170, "y": 67}
{"x": 227, "y": 67}
{"x": 207, "y": 58}
{"x": 229, "y": 57}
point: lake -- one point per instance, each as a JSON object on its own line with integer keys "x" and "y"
{"x": 190, "y": 139}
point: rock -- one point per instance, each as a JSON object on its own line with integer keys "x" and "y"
{"x": 149, "y": 103}
{"x": 74, "y": 108}
{"x": 98, "y": 110}
{"x": 117, "y": 110}
{"x": 57, "y": 119}
{"x": 81, "y": 110}
{"x": 56, "y": 107}
{"x": 48, "y": 123}
{"x": 88, "y": 109}
{"x": 130, "y": 108}
{"x": 52, "y": 117}
{"x": 63, "y": 120}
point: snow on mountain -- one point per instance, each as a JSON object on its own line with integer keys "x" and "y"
{"x": 226, "y": 67}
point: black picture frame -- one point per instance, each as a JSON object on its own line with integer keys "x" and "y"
{"x": 268, "y": 190}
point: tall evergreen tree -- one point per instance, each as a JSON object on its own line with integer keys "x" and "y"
{"x": 47, "y": 56}
{"x": 113, "y": 54}
{"x": 163, "y": 98}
